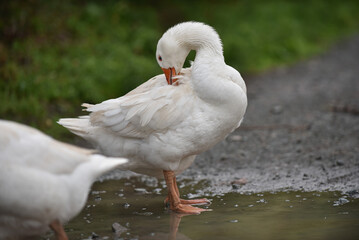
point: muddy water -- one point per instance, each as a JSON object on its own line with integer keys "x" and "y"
{"x": 138, "y": 208}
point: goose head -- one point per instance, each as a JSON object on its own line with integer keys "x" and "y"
{"x": 171, "y": 56}
{"x": 178, "y": 41}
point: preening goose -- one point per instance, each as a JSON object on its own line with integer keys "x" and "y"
{"x": 164, "y": 123}
{"x": 43, "y": 182}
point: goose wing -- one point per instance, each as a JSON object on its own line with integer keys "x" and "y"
{"x": 153, "y": 107}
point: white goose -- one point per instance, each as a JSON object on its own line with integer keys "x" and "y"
{"x": 161, "y": 126}
{"x": 43, "y": 182}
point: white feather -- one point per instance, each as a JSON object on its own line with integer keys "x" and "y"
{"x": 161, "y": 126}
{"x": 42, "y": 180}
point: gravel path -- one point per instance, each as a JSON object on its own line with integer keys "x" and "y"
{"x": 301, "y": 131}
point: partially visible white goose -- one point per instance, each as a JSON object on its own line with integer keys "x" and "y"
{"x": 162, "y": 125}
{"x": 43, "y": 182}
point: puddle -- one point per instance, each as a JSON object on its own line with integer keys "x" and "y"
{"x": 139, "y": 208}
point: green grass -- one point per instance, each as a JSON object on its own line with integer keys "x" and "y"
{"x": 54, "y": 55}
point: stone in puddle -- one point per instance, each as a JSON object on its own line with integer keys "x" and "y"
{"x": 340, "y": 201}
{"x": 94, "y": 236}
{"x": 141, "y": 190}
{"x": 118, "y": 229}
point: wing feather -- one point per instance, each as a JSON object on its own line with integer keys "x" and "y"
{"x": 153, "y": 106}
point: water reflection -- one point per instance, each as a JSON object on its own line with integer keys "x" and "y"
{"x": 295, "y": 215}
{"x": 174, "y": 224}
{"x": 173, "y": 233}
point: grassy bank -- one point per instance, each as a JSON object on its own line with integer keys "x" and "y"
{"x": 54, "y": 55}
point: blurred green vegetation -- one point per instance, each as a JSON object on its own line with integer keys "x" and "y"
{"x": 54, "y": 55}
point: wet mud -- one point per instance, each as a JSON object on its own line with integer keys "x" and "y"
{"x": 131, "y": 209}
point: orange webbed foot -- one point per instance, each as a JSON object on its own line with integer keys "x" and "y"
{"x": 201, "y": 201}
{"x": 188, "y": 209}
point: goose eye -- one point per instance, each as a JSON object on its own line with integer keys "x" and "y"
{"x": 160, "y": 58}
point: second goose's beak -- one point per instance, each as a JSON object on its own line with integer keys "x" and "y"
{"x": 170, "y": 73}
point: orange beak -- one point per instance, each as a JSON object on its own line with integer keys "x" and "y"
{"x": 170, "y": 73}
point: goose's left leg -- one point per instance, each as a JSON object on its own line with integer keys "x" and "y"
{"x": 174, "y": 199}
{"x": 200, "y": 201}
{"x": 56, "y": 226}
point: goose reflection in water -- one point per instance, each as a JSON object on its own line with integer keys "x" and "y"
{"x": 173, "y": 234}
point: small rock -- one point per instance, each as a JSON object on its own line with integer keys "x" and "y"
{"x": 262, "y": 200}
{"x": 141, "y": 190}
{"x": 118, "y": 229}
{"x": 224, "y": 157}
{"x": 97, "y": 192}
{"x": 94, "y": 236}
{"x": 143, "y": 213}
{"x": 276, "y": 177}
{"x": 340, "y": 163}
{"x": 236, "y": 138}
{"x": 341, "y": 201}
{"x": 353, "y": 193}
{"x": 278, "y": 109}
{"x": 157, "y": 190}
{"x": 241, "y": 181}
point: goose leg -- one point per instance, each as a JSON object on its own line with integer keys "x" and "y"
{"x": 201, "y": 201}
{"x": 58, "y": 230}
{"x": 174, "y": 200}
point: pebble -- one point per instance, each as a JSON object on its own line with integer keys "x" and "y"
{"x": 140, "y": 190}
{"x": 157, "y": 190}
{"x": 340, "y": 163}
{"x": 305, "y": 176}
{"x": 340, "y": 201}
{"x": 276, "y": 177}
{"x": 353, "y": 193}
{"x": 236, "y": 184}
{"x": 97, "y": 192}
{"x": 241, "y": 181}
{"x": 118, "y": 229}
{"x": 143, "y": 213}
{"x": 278, "y": 109}
{"x": 236, "y": 138}
{"x": 94, "y": 236}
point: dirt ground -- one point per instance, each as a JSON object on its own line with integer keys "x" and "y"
{"x": 301, "y": 131}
